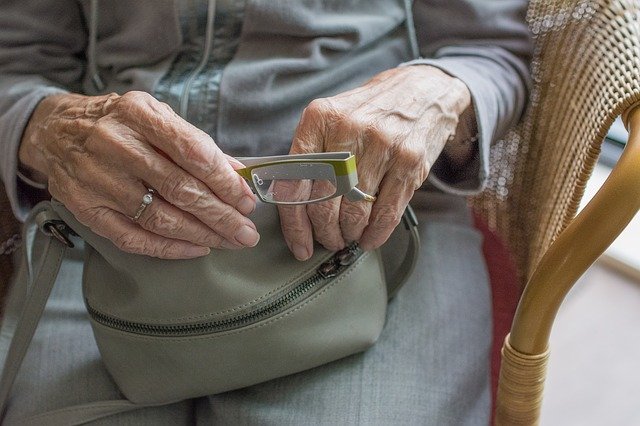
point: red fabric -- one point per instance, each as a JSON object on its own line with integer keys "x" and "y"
{"x": 505, "y": 295}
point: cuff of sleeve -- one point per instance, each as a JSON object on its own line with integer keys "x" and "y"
{"x": 472, "y": 180}
{"x": 12, "y": 125}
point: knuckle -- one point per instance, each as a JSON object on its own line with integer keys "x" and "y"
{"x": 225, "y": 222}
{"x": 318, "y": 108}
{"x": 222, "y": 185}
{"x": 136, "y": 98}
{"x": 353, "y": 216}
{"x": 386, "y": 217}
{"x": 181, "y": 192}
{"x": 191, "y": 150}
{"x": 162, "y": 222}
{"x": 318, "y": 112}
{"x": 134, "y": 103}
{"x": 149, "y": 162}
{"x": 323, "y": 213}
{"x": 119, "y": 140}
{"x": 131, "y": 243}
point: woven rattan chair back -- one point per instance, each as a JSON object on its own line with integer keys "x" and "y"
{"x": 586, "y": 72}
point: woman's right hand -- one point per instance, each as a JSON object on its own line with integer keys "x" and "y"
{"x": 100, "y": 154}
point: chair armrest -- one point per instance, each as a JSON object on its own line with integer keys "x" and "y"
{"x": 578, "y": 246}
{"x": 525, "y": 352}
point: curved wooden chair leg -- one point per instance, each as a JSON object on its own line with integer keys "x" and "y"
{"x": 525, "y": 352}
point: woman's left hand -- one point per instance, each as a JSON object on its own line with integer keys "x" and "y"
{"x": 396, "y": 124}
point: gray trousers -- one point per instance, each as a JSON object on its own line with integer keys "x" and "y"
{"x": 429, "y": 367}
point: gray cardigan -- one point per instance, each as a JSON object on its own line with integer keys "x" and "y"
{"x": 290, "y": 52}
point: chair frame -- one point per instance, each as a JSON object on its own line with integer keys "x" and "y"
{"x": 567, "y": 244}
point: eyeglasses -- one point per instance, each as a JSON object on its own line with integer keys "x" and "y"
{"x": 303, "y": 178}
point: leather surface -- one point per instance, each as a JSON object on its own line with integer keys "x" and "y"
{"x": 222, "y": 284}
{"x": 343, "y": 317}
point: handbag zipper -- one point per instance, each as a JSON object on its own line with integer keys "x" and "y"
{"x": 329, "y": 269}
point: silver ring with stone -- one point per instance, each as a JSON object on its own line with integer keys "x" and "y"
{"x": 146, "y": 200}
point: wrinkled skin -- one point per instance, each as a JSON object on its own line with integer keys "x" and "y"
{"x": 396, "y": 124}
{"x": 99, "y": 154}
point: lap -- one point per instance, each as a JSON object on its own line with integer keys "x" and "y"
{"x": 430, "y": 365}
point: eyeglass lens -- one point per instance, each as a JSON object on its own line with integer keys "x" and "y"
{"x": 296, "y": 183}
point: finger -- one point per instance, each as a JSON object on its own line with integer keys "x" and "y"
{"x": 188, "y": 146}
{"x": 124, "y": 193}
{"x": 386, "y": 212}
{"x": 354, "y": 215}
{"x": 182, "y": 190}
{"x": 296, "y": 230}
{"x": 235, "y": 164}
{"x": 168, "y": 221}
{"x": 296, "y": 226}
{"x": 324, "y": 217}
{"x": 129, "y": 237}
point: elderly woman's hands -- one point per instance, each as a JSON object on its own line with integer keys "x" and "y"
{"x": 101, "y": 153}
{"x": 397, "y": 124}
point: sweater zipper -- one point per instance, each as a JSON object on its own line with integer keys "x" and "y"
{"x": 208, "y": 46}
{"x": 328, "y": 270}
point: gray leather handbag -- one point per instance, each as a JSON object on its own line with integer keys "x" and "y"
{"x": 171, "y": 330}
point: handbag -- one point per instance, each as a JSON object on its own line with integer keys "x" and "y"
{"x": 169, "y": 330}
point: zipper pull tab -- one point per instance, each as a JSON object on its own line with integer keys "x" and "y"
{"x": 329, "y": 269}
{"x": 342, "y": 258}
{"x": 346, "y": 256}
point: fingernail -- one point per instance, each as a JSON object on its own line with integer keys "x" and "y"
{"x": 235, "y": 163}
{"x": 247, "y": 205}
{"x": 197, "y": 251}
{"x": 300, "y": 251}
{"x": 247, "y": 236}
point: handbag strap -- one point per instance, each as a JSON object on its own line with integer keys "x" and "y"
{"x": 20, "y": 323}
{"x": 396, "y": 279}
{"x": 25, "y": 318}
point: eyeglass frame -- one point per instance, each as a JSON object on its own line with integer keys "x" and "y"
{"x": 344, "y": 169}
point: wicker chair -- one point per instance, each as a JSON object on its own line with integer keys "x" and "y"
{"x": 586, "y": 71}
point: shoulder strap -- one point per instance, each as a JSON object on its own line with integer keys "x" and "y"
{"x": 397, "y": 277}
{"x": 20, "y": 322}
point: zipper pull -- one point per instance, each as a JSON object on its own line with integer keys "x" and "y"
{"x": 329, "y": 269}
{"x": 346, "y": 256}
{"x": 342, "y": 258}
